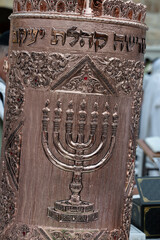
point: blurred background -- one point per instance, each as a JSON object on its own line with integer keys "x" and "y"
{"x": 5, "y": 11}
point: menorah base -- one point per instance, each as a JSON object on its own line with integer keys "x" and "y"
{"x": 64, "y": 211}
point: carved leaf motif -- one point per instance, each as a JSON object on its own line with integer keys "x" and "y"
{"x": 15, "y": 100}
{"x": 65, "y": 234}
{"x": 23, "y": 232}
{"x": 40, "y": 69}
{"x": 127, "y": 75}
{"x": 13, "y": 153}
{"x": 7, "y": 202}
{"x": 85, "y": 82}
{"x": 86, "y": 77}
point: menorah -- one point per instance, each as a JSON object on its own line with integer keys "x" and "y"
{"x": 74, "y": 209}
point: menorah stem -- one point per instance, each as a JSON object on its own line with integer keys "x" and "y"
{"x": 76, "y": 188}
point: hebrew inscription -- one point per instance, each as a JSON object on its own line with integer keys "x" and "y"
{"x": 73, "y": 37}
{"x": 28, "y": 36}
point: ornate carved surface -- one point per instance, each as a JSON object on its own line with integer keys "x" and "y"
{"x": 86, "y": 82}
{"x": 113, "y": 8}
{"x": 135, "y": 117}
{"x": 69, "y": 234}
{"x": 13, "y": 153}
{"x": 121, "y": 9}
{"x": 26, "y": 232}
{"x": 39, "y": 69}
{"x": 86, "y": 77}
{"x": 126, "y": 75}
{"x": 23, "y": 232}
{"x": 15, "y": 100}
{"x": 7, "y": 201}
{"x": 128, "y": 81}
{"x": 45, "y": 5}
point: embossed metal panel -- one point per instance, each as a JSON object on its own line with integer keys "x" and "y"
{"x": 72, "y": 110}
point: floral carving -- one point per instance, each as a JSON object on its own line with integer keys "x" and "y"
{"x": 85, "y": 82}
{"x": 127, "y": 75}
{"x": 15, "y": 100}
{"x": 68, "y": 234}
{"x": 40, "y": 69}
{"x": 23, "y": 232}
{"x": 135, "y": 117}
{"x": 13, "y": 153}
{"x": 7, "y": 202}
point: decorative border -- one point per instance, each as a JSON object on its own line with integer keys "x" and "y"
{"x": 113, "y": 8}
{"x": 20, "y": 66}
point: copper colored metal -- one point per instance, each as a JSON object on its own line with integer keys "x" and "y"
{"x": 71, "y": 118}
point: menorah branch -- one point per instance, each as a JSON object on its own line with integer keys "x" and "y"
{"x": 52, "y": 158}
{"x": 60, "y": 148}
{"x": 104, "y": 160}
{"x": 82, "y": 146}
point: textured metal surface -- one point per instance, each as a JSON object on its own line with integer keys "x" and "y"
{"x": 72, "y": 111}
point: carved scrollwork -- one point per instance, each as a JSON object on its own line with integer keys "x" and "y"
{"x": 26, "y": 232}
{"x": 23, "y": 232}
{"x": 127, "y": 75}
{"x": 136, "y": 107}
{"x": 86, "y": 82}
{"x": 40, "y": 69}
{"x": 113, "y": 8}
{"x": 13, "y": 153}
{"x": 68, "y": 234}
{"x": 45, "y": 5}
{"x": 15, "y": 100}
{"x": 7, "y": 201}
{"x": 86, "y": 77}
{"x": 121, "y": 9}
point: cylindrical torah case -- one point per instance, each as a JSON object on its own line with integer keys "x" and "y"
{"x": 71, "y": 117}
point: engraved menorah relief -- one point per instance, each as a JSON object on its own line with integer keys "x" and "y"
{"x": 75, "y": 209}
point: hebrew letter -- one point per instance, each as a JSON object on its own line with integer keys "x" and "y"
{"x": 72, "y": 33}
{"x": 119, "y": 38}
{"x": 130, "y": 42}
{"x": 57, "y": 34}
{"x": 42, "y": 33}
{"x": 33, "y": 36}
{"x": 142, "y": 44}
{"x": 100, "y": 36}
{"x": 86, "y": 35}
{"x": 22, "y": 36}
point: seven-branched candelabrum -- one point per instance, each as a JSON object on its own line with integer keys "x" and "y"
{"x": 74, "y": 209}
